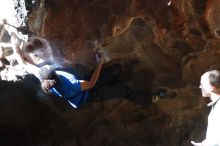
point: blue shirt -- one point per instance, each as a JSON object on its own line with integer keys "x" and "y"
{"x": 69, "y": 88}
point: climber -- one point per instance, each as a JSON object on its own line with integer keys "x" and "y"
{"x": 210, "y": 86}
{"x": 101, "y": 86}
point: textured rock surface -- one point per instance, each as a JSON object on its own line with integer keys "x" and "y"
{"x": 159, "y": 45}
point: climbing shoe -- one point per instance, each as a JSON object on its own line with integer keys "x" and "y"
{"x": 159, "y": 94}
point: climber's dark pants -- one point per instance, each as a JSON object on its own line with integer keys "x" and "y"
{"x": 107, "y": 88}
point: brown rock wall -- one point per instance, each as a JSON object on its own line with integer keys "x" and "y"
{"x": 159, "y": 45}
{"x": 212, "y": 16}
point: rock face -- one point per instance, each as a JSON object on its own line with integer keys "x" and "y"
{"x": 160, "y": 43}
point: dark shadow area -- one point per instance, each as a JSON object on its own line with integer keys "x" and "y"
{"x": 26, "y": 121}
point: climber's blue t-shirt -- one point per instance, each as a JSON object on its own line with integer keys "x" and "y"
{"x": 69, "y": 88}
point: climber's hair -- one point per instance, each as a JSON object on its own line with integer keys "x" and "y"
{"x": 214, "y": 78}
{"x": 47, "y": 73}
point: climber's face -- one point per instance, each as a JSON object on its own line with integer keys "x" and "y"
{"x": 205, "y": 85}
